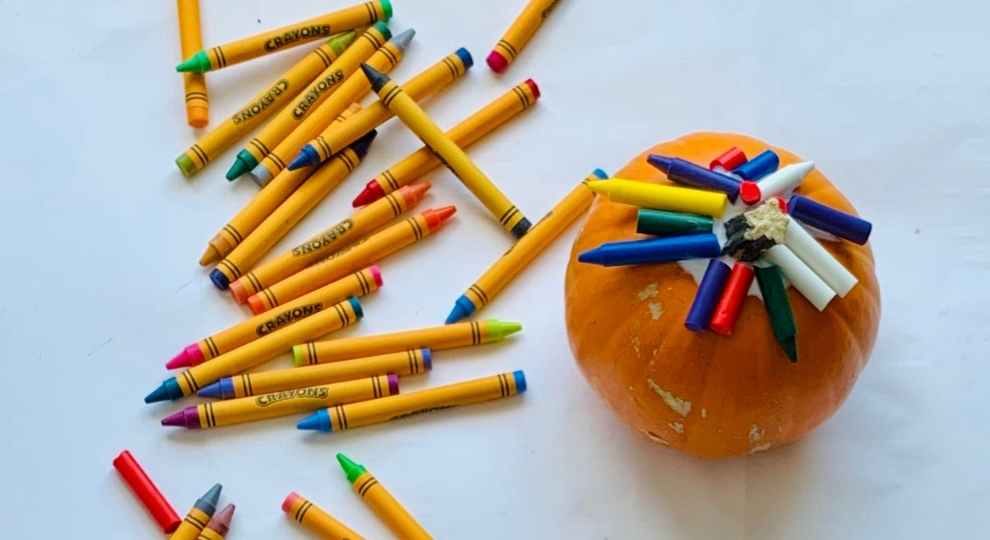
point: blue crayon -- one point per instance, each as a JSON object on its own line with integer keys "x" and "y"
{"x": 709, "y": 291}
{"x": 306, "y": 157}
{"x": 654, "y": 250}
{"x": 684, "y": 172}
{"x": 830, "y": 220}
{"x": 758, "y": 167}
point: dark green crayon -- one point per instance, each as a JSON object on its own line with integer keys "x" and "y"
{"x": 778, "y": 309}
{"x": 664, "y": 223}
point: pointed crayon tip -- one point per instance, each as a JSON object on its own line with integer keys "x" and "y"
{"x": 403, "y": 38}
{"x": 341, "y": 42}
{"x": 790, "y": 348}
{"x": 210, "y": 256}
{"x": 351, "y": 468}
{"x": 436, "y": 216}
{"x": 318, "y": 421}
{"x": 386, "y": 8}
{"x": 220, "y": 522}
{"x": 197, "y": 63}
{"x": 372, "y": 192}
{"x": 208, "y": 502}
{"x": 383, "y": 29}
{"x": 178, "y": 361}
{"x": 501, "y": 329}
{"x": 243, "y": 163}
{"x": 413, "y": 193}
{"x": 496, "y": 62}
{"x": 176, "y": 419}
{"x": 211, "y": 390}
{"x": 375, "y": 77}
{"x": 462, "y": 309}
{"x": 167, "y": 391}
{"x": 661, "y": 162}
{"x": 592, "y": 256}
{"x": 361, "y": 146}
{"x": 306, "y": 157}
{"x": 804, "y": 167}
{"x": 191, "y": 355}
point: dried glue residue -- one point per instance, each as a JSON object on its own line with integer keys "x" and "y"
{"x": 656, "y": 310}
{"x": 760, "y": 448}
{"x": 635, "y": 344}
{"x": 677, "y": 426}
{"x": 656, "y": 438}
{"x": 650, "y": 291}
{"x": 755, "y": 434}
{"x": 680, "y": 406}
{"x": 704, "y": 412}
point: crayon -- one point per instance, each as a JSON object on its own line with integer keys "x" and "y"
{"x": 219, "y": 524}
{"x": 259, "y": 208}
{"x": 730, "y": 304}
{"x": 264, "y": 104}
{"x": 286, "y": 37}
{"x": 199, "y": 515}
{"x": 411, "y": 362}
{"x": 653, "y": 250}
{"x": 784, "y": 180}
{"x": 366, "y": 413}
{"x": 315, "y": 519}
{"x": 258, "y": 351}
{"x": 420, "y": 123}
{"x": 464, "y": 134}
{"x": 369, "y": 250}
{"x": 327, "y": 242}
{"x": 823, "y": 263}
{"x": 778, "y": 306}
{"x": 764, "y": 163}
{"x": 515, "y": 260}
{"x": 519, "y": 33}
{"x": 147, "y": 492}
{"x": 321, "y": 88}
{"x": 804, "y": 279}
{"x": 351, "y": 90}
{"x": 830, "y": 220}
{"x": 684, "y": 172}
{"x": 664, "y": 223}
{"x": 427, "y": 82}
{"x": 728, "y": 160}
{"x": 191, "y": 40}
{"x": 436, "y": 338}
{"x": 661, "y": 197}
{"x": 709, "y": 291}
{"x": 382, "y": 503}
{"x": 360, "y": 283}
{"x": 283, "y": 403}
{"x": 280, "y": 222}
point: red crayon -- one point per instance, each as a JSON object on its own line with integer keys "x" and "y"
{"x": 728, "y": 160}
{"x": 147, "y": 492}
{"x": 731, "y": 303}
{"x": 749, "y": 192}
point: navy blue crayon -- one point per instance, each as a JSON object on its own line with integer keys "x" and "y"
{"x": 709, "y": 291}
{"x": 758, "y": 167}
{"x": 830, "y": 220}
{"x": 653, "y": 250}
{"x": 684, "y": 172}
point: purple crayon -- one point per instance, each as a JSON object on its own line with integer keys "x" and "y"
{"x": 709, "y": 292}
{"x": 654, "y": 250}
{"x": 830, "y": 220}
{"x": 758, "y": 167}
{"x": 684, "y": 172}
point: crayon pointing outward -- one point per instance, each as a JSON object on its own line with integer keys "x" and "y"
{"x": 264, "y": 104}
{"x": 382, "y": 503}
{"x": 191, "y": 40}
{"x": 819, "y": 259}
{"x": 514, "y": 261}
{"x": 284, "y": 403}
{"x": 366, "y": 413}
{"x": 464, "y": 134}
{"x": 784, "y": 180}
{"x": 518, "y": 34}
{"x": 370, "y": 250}
{"x": 219, "y": 524}
{"x": 804, "y": 279}
{"x": 728, "y": 160}
{"x": 778, "y": 307}
{"x": 709, "y": 292}
{"x": 287, "y": 37}
{"x": 684, "y": 172}
{"x": 830, "y": 220}
{"x": 661, "y": 197}
{"x": 280, "y": 222}
{"x": 664, "y": 223}
{"x": 411, "y": 362}
{"x": 258, "y": 351}
{"x": 200, "y": 514}
{"x": 146, "y": 491}
{"x": 420, "y": 123}
{"x": 764, "y": 163}
{"x": 653, "y": 250}
{"x": 730, "y": 304}
{"x": 315, "y": 519}
{"x": 308, "y": 100}
{"x": 451, "y": 336}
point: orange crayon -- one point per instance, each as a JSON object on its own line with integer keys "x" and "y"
{"x": 316, "y": 519}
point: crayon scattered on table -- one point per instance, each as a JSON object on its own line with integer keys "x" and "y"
{"x": 728, "y": 160}
{"x": 436, "y": 338}
{"x": 778, "y": 307}
{"x": 803, "y": 278}
{"x": 315, "y": 519}
{"x": 191, "y": 40}
{"x": 527, "y": 248}
{"x": 258, "y": 351}
{"x": 709, "y": 292}
{"x": 146, "y": 491}
{"x": 518, "y": 34}
{"x": 664, "y": 223}
{"x": 730, "y": 304}
{"x": 382, "y": 503}
{"x": 464, "y": 134}
{"x": 219, "y": 524}
{"x": 684, "y": 172}
{"x": 784, "y": 180}
{"x": 827, "y": 219}
{"x": 653, "y": 250}
{"x": 286, "y": 37}
{"x": 661, "y": 197}
{"x": 366, "y": 413}
{"x": 264, "y": 104}
{"x": 411, "y": 362}
{"x": 368, "y": 251}
{"x": 199, "y": 515}
{"x": 763, "y": 164}
{"x": 819, "y": 259}
{"x": 415, "y": 118}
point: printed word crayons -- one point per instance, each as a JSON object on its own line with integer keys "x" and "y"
{"x": 147, "y": 492}
{"x": 518, "y": 35}
{"x": 420, "y": 123}
{"x": 199, "y": 515}
{"x": 365, "y": 413}
{"x": 315, "y": 519}
{"x": 500, "y": 274}
{"x": 370, "y": 250}
{"x": 286, "y": 37}
{"x": 382, "y": 503}
{"x": 219, "y": 524}
{"x": 437, "y": 338}
{"x": 661, "y": 197}
{"x": 191, "y": 40}
{"x": 464, "y": 134}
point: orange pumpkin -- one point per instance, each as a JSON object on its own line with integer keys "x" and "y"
{"x": 703, "y": 394}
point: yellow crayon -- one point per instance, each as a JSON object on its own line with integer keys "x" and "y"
{"x": 662, "y": 197}
{"x": 191, "y": 40}
{"x": 420, "y": 123}
{"x": 259, "y": 208}
{"x": 518, "y": 35}
{"x": 505, "y": 269}
{"x": 464, "y": 134}
{"x": 264, "y": 104}
{"x": 286, "y": 37}
{"x": 436, "y": 338}
{"x": 385, "y": 506}
{"x": 280, "y": 222}
{"x": 351, "y": 90}
{"x": 321, "y": 88}
{"x": 197, "y": 518}
{"x": 316, "y": 519}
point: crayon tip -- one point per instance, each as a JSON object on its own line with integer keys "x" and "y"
{"x": 299, "y": 355}
{"x": 290, "y": 501}
{"x": 197, "y": 63}
{"x": 187, "y": 418}
{"x": 198, "y": 117}
{"x": 501, "y": 329}
{"x": 465, "y": 57}
{"x": 402, "y": 40}
{"x": 497, "y": 62}
{"x": 219, "y": 279}
{"x": 372, "y": 192}
{"x": 393, "y": 384}
{"x": 413, "y": 193}
{"x": 386, "y": 8}
{"x": 185, "y": 165}
{"x": 210, "y": 256}
{"x": 190, "y": 356}
{"x": 351, "y": 468}
{"x": 356, "y": 306}
{"x": 239, "y": 291}
{"x": 533, "y": 87}
{"x": 361, "y": 146}
{"x": 208, "y": 502}
{"x": 790, "y": 348}
{"x": 376, "y": 274}
{"x": 600, "y": 174}
{"x": 592, "y": 256}
{"x": 463, "y": 308}
{"x": 242, "y": 164}
{"x": 521, "y": 228}
{"x": 220, "y": 522}
{"x": 661, "y": 162}
{"x": 318, "y": 421}
{"x": 167, "y": 391}
{"x": 261, "y": 176}
{"x": 520, "y": 378}
{"x": 375, "y": 77}
{"x": 436, "y": 216}
{"x": 306, "y": 157}
{"x": 427, "y": 358}
{"x": 804, "y": 167}
{"x": 256, "y": 304}
{"x": 383, "y": 30}
{"x": 749, "y": 192}
{"x": 211, "y": 390}
{"x": 343, "y": 41}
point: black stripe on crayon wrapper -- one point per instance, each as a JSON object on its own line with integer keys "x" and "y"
{"x": 324, "y": 148}
{"x": 393, "y": 184}
{"x": 523, "y": 97}
{"x": 507, "y": 215}
{"x": 311, "y": 349}
{"x": 200, "y": 153}
{"x": 276, "y": 159}
{"x": 390, "y": 95}
{"x": 503, "y": 385}
{"x": 375, "y": 42}
{"x": 212, "y": 347}
{"x": 390, "y": 56}
{"x": 451, "y": 66}
{"x": 350, "y": 159}
{"x": 211, "y": 420}
{"x": 270, "y": 296}
{"x": 362, "y": 282}
{"x": 190, "y": 381}
{"x": 247, "y": 384}
{"x": 480, "y": 293}
{"x": 194, "y": 521}
{"x": 341, "y": 315}
{"x": 475, "y": 333}
{"x": 301, "y": 511}
{"x": 233, "y": 232}
{"x": 255, "y": 282}
{"x": 394, "y": 203}
{"x": 417, "y": 229}
{"x": 194, "y": 96}
{"x": 221, "y": 61}
{"x": 411, "y": 358}
{"x": 366, "y": 485}
{"x": 341, "y": 417}
{"x": 327, "y": 59}
{"x": 372, "y": 16}
{"x": 259, "y": 145}
{"x": 509, "y": 48}
{"x": 231, "y": 268}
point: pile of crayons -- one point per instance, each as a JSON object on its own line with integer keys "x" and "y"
{"x": 763, "y": 233}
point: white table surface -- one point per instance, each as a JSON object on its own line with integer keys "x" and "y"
{"x": 101, "y": 284}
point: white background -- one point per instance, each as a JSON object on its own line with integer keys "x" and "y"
{"x": 101, "y": 286}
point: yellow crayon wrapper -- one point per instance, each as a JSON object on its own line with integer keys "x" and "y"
{"x": 519, "y": 33}
{"x": 191, "y": 40}
{"x": 662, "y": 197}
{"x": 316, "y": 520}
{"x": 192, "y": 525}
{"x": 388, "y": 508}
